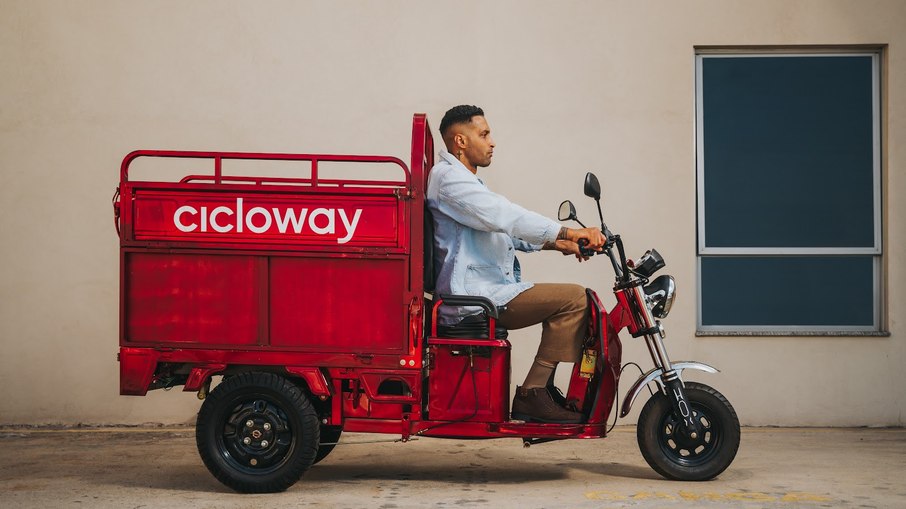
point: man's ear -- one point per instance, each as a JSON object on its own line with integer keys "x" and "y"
{"x": 460, "y": 140}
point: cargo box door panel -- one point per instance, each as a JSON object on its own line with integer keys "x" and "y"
{"x": 191, "y": 298}
{"x": 334, "y": 304}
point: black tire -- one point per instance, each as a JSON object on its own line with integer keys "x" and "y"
{"x": 330, "y": 435}
{"x": 679, "y": 457}
{"x": 275, "y": 450}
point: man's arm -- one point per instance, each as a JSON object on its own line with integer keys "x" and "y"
{"x": 524, "y": 246}
{"x": 467, "y": 201}
{"x": 594, "y": 237}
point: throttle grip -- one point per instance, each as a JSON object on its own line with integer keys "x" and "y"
{"x": 583, "y": 250}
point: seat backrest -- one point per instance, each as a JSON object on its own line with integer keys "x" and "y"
{"x": 430, "y": 276}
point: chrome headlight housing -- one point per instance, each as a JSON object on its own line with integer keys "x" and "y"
{"x": 660, "y": 294}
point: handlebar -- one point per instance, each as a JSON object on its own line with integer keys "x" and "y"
{"x": 584, "y": 251}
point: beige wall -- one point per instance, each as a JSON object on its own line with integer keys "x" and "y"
{"x": 568, "y": 87}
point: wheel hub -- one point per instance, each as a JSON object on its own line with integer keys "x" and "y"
{"x": 687, "y": 444}
{"x": 686, "y": 436}
{"x": 257, "y": 432}
{"x": 257, "y": 435}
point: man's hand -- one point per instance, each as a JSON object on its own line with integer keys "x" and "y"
{"x": 568, "y": 247}
{"x": 568, "y": 241}
{"x": 595, "y": 238}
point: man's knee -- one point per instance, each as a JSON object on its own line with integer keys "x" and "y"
{"x": 577, "y": 299}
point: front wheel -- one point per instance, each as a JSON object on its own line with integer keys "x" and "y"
{"x": 671, "y": 452}
{"x": 257, "y": 433}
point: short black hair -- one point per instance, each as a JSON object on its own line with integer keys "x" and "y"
{"x": 461, "y": 114}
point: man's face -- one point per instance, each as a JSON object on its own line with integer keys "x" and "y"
{"x": 478, "y": 145}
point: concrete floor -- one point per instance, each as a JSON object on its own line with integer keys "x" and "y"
{"x": 148, "y": 467}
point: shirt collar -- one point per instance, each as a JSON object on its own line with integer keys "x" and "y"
{"x": 456, "y": 163}
{"x": 450, "y": 158}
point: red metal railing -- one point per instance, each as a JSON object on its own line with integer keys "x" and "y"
{"x": 217, "y": 176}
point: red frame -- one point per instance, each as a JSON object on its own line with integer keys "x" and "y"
{"x": 344, "y": 318}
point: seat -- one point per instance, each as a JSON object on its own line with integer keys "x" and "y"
{"x": 471, "y": 327}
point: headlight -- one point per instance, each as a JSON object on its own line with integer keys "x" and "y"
{"x": 660, "y": 294}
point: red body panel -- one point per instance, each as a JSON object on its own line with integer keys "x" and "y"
{"x": 338, "y": 304}
{"x": 197, "y": 299}
{"x": 319, "y": 280}
{"x": 469, "y": 380}
{"x": 136, "y": 370}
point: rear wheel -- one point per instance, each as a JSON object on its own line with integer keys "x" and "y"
{"x": 257, "y": 433}
{"x": 330, "y": 435}
{"x": 672, "y": 452}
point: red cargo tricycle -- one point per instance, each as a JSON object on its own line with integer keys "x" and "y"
{"x": 311, "y": 296}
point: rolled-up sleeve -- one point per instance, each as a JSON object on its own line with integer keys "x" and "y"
{"x": 524, "y": 246}
{"x": 469, "y": 202}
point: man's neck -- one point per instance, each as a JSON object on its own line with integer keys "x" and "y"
{"x": 469, "y": 166}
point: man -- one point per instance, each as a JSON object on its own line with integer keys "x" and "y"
{"x": 476, "y": 234}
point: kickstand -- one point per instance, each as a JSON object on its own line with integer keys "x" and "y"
{"x": 528, "y": 442}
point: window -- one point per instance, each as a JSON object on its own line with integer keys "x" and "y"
{"x": 789, "y": 192}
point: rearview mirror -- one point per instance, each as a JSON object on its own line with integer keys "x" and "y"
{"x": 567, "y": 211}
{"x": 592, "y": 187}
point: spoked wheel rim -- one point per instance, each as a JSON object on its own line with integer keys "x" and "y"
{"x": 257, "y": 435}
{"x": 680, "y": 447}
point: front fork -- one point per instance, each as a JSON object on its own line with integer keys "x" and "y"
{"x": 671, "y": 382}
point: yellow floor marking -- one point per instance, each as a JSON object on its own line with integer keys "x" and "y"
{"x": 604, "y": 495}
{"x": 804, "y": 497}
{"x": 688, "y": 495}
{"x": 750, "y": 497}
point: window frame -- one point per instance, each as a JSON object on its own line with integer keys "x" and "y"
{"x": 702, "y": 249}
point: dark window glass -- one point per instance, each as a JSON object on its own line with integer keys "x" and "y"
{"x": 788, "y": 148}
{"x": 783, "y": 291}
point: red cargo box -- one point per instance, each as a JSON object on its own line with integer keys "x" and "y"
{"x": 280, "y": 271}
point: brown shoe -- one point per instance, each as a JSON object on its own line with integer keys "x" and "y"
{"x": 536, "y": 405}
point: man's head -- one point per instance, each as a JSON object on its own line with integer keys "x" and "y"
{"x": 467, "y": 136}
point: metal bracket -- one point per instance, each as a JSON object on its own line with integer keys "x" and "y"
{"x": 404, "y": 194}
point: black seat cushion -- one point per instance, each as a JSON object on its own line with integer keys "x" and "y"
{"x": 471, "y": 327}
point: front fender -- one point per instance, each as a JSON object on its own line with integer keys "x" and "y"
{"x": 655, "y": 375}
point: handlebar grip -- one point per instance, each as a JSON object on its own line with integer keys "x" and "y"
{"x": 583, "y": 250}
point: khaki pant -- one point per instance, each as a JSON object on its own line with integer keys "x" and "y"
{"x": 562, "y": 310}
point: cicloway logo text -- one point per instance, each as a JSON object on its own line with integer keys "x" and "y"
{"x": 259, "y": 220}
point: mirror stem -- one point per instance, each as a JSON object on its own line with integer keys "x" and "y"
{"x": 600, "y": 214}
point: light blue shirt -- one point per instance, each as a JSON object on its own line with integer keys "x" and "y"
{"x": 476, "y": 233}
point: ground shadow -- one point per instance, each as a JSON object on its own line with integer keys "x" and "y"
{"x": 168, "y": 461}
{"x": 196, "y": 477}
{"x": 465, "y": 474}
{"x": 616, "y": 470}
